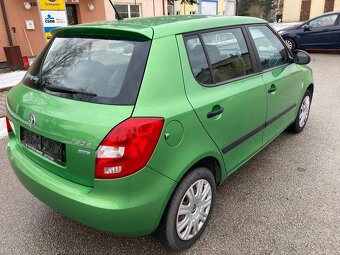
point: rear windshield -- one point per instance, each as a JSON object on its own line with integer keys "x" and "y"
{"x": 94, "y": 70}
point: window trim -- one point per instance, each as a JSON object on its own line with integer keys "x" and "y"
{"x": 247, "y": 40}
{"x": 207, "y": 58}
{"x": 260, "y": 67}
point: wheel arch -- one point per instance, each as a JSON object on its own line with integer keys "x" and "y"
{"x": 210, "y": 163}
{"x": 311, "y": 88}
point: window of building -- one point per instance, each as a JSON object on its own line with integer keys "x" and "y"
{"x": 71, "y": 12}
{"x": 305, "y": 9}
{"x": 329, "y": 5}
{"x": 128, "y": 10}
{"x": 178, "y": 13}
{"x": 271, "y": 50}
{"x": 192, "y": 12}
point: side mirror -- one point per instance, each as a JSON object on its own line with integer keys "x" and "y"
{"x": 306, "y": 28}
{"x": 301, "y": 57}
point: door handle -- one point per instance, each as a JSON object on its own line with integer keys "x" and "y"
{"x": 215, "y": 113}
{"x": 272, "y": 89}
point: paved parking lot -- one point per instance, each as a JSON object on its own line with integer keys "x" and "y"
{"x": 286, "y": 200}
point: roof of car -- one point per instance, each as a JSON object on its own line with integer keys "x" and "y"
{"x": 156, "y": 27}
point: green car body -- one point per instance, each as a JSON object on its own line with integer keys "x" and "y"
{"x": 134, "y": 204}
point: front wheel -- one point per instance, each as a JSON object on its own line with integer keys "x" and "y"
{"x": 189, "y": 210}
{"x": 301, "y": 119}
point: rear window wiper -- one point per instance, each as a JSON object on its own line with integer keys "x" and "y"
{"x": 55, "y": 88}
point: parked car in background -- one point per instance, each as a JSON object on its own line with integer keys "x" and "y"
{"x": 322, "y": 32}
{"x": 129, "y": 126}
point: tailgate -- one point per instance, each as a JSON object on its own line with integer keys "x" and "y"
{"x": 75, "y": 127}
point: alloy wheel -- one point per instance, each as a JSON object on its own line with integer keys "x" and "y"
{"x": 194, "y": 209}
{"x": 289, "y": 44}
{"x": 304, "y": 111}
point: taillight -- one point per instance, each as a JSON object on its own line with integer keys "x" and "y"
{"x": 8, "y": 125}
{"x": 128, "y": 147}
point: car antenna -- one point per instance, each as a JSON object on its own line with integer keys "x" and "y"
{"x": 118, "y": 17}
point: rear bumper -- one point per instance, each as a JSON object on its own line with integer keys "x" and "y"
{"x": 127, "y": 206}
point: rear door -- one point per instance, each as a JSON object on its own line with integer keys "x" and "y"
{"x": 225, "y": 90}
{"x": 319, "y": 34}
{"x": 282, "y": 79}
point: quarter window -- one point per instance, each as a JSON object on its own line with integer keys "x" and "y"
{"x": 228, "y": 54}
{"x": 198, "y": 60}
{"x": 271, "y": 50}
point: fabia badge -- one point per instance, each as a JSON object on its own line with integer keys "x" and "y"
{"x": 31, "y": 120}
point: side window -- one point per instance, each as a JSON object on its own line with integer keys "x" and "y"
{"x": 271, "y": 50}
{"x": 228, "y": 54}
{"x": 198, "y": 60}
{"x": 324, "y": 21}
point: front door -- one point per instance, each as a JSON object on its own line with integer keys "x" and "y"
{"x": 225, "y": 90}
{"x": 318, "y": 33}
{"x": 282, "y": 79}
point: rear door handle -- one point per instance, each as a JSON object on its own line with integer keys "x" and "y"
{"x": 215, "y": 113}
{"x": 272, "y": 89}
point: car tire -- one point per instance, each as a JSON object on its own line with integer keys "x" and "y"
{"x": 302, "y": 116}
{"x": 290, "y": 43}
{"x": 195, "y": 194}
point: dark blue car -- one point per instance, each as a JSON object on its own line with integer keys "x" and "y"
{"x": 322, "y": 32}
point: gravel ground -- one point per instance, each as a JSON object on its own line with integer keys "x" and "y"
{"x": 286, "y": 200}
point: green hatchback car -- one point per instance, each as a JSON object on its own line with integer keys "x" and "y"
{"x": 129, "y": 126}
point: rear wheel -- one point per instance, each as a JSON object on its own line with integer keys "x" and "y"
{"x": 290, "y": 43}
{"x": 189, "y": 210}
{"x": 301, "y": 119}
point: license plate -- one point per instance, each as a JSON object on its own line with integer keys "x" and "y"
{"x": 44, "y": 146}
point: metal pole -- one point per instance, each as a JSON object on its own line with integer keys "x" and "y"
{"x": 154, "y": 12}
{"x": 6, "y": 23}
{"x": 236, "y": 11}
{"x": 28, "y": 41}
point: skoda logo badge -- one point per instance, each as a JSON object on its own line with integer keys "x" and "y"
{"x": 31, "y": 120}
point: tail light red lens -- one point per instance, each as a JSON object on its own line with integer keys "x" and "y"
{"x": 8, "y": 125}
{"x": 128, "y": 147}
